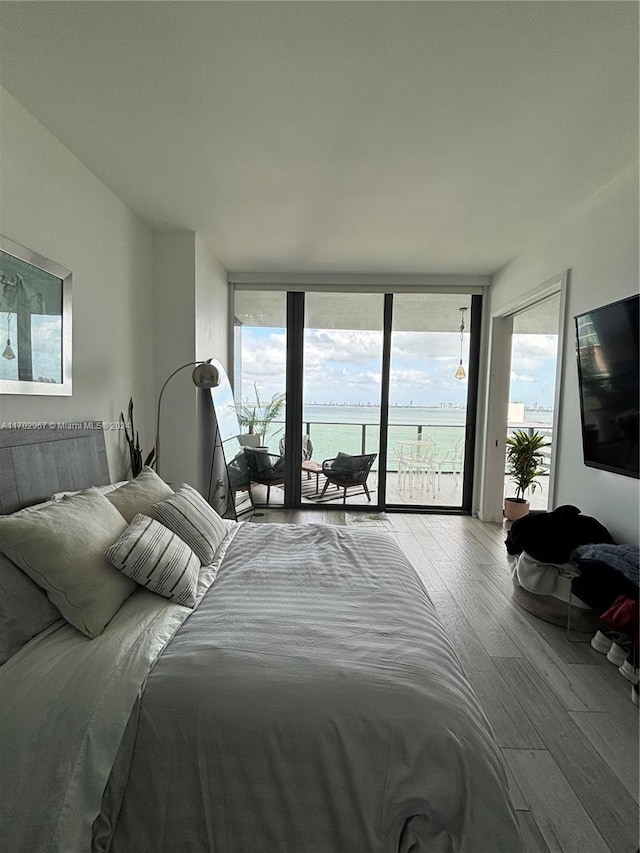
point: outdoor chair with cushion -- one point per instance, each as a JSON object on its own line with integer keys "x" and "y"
{"x": 266, "y": 469}
{"x": 345, "y": 471}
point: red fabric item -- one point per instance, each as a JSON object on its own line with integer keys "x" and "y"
{"x": 622, "y": 616}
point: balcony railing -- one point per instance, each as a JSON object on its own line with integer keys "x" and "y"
{"x": 329, "y": 438}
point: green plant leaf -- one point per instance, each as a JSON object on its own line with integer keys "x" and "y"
{"x": 524, "y": 458}
{"x": 133, "y": 442}
{"x": 258, "y": 416}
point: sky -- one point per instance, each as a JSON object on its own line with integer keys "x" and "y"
{"x": 340, "y": 366}
{"x": 344, "y": 366}
{"x": 46, "y": 331}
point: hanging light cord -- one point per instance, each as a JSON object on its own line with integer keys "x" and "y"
{"x": 8, "y": 352}
{"x": 460, "y": 372}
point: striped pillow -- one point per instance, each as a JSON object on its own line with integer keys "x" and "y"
{"x": 157, "y": 559}
{"x": 188, "y": 515}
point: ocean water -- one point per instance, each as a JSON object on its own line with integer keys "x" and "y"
{"x": 355, "y": 429}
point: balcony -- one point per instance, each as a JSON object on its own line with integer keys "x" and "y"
{"x": 439, "y": 486}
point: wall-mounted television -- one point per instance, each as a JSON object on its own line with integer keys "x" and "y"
{"x": 608, "y": 366}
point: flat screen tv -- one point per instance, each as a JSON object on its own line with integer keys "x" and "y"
{"x": 607, "y": 349}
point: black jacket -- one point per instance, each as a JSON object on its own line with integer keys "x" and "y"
{"x": 550, "y": 537}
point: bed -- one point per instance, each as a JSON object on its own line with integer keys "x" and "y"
{"x": 305, "y": 699}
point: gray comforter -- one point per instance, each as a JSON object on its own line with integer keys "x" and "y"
{"x": 311, "y": 704}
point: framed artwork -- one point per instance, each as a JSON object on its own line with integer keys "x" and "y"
{"x": 35, "y": 323}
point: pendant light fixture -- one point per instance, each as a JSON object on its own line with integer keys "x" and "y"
{"x": 8, "y": 352}
{"x": 460, "y": 372}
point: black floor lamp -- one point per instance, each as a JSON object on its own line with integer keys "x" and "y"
{"x": 204, "y": 375}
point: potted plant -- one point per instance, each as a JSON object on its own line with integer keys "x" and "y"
{"x": 133, "y": 443}
{"x": 524, "y": 466}
{"x": 257, "y": 417}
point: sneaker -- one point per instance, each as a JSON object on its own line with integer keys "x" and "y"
{"x": 601, "y": 643}
{"x": 635, "y": 697}
{"x": 629, "y": 671}
{"x": 616, "y": 654}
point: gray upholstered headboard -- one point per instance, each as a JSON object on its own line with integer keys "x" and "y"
{"x": 36, "y": 463}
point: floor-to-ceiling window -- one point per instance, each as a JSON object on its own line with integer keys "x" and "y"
{"x": 384, "y": 375}
{"x": 428, "y": 395}
{"x": 260, "y": 338}
{"x": 342, "y": 388}
{"x": 260, "y": 350}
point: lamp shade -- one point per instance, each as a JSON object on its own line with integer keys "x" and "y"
{"x": 205, "y": 375}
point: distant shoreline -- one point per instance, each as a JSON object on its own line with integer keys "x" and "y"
{"x": 438, "y": 406}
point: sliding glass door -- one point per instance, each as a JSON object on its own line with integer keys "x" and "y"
{"x": 341, "y": 394}
{"x": 382, "y": 383}
{"x": 428, "y": 394}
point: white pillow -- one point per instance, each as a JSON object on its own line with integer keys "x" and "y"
{"x": 157, "y": 559}
{"x": 188, "y": 515}
{"x": 25, "y": 609}
{"x": 61, "y": 547}
{"x": 104, "y": 490}
{"x": 138, "y": 495}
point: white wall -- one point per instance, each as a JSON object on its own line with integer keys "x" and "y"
{"x": 190, "y": 314}
{"x": 212, "y": 341}
{"x": 52, "y": 204}
{"x": 174, "y": 345}
{"x": 212, "y": 306}
{"x": 598, "y": 243}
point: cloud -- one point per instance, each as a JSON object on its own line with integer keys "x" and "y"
{"x": 345, "y": 366}
{"x": 341, "y": 347}
{"x": 535, "y": 345}
{"x": 427, "y": 346}
{"x": 264, "y": 359}
{"x": 533, "y": 353}
{"x": 410, "y": 378}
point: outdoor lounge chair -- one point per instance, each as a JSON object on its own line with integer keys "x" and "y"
{"x": 266, "y": 469}
{"x": 345, "y": 471}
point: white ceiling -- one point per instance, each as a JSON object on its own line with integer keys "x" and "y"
{"x": 383, "y": 137}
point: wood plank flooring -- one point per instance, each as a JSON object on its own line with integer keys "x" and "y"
{"x": 561, "y": 713}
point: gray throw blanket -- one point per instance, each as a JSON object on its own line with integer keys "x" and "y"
{"x": 622, "y": 558}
